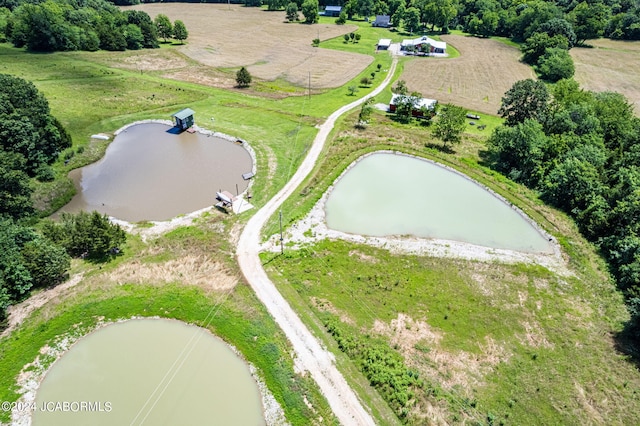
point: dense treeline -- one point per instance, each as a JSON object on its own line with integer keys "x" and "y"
{"x": 31, "y": 139}
{"x": 518, "y": 20}
{"x": 63, "y": 25}
{"x": 581, "y": 151}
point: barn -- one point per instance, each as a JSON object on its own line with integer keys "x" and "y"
{"x": 382, "y": 21}
{"x": 332, "y": 11}
{"x": 184, "y": 118}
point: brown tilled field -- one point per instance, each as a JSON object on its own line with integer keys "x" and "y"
{"x": 476, "y": 80}
{"x": 230, "y": 36}
{"x": 611, "y": 65}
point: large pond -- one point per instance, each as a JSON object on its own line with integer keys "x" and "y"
{"x": 388, "y": 194}
{"x": 151, "y": 173}
{"x": 152, "y": 372}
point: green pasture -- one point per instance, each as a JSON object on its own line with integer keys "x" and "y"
{"x": 539, "y": 375}
{"x": 569, "y": 314}
{"x": 235, "y": 315}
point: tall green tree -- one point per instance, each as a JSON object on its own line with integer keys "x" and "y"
{"x": 163, "y": 26}
{"x": 292, "y": 12}
{"x": 527, "y": 99}
{"x": 519, "y": 151}
{"x": 450, "y": 124}
{"x": 87, "y": 235}
{"x": 243, "y": 77}
{"x": 556, "y": 64}
{"x": 365, "y": 112}
{"x": 15, "y": 187}
{"x": 26, "y": 125}
{"x": 536, "y": 45}
{"x": 589, "y": 20}
{"x": 275, "y": 4}
{"x": 147, "y": 26}
{"x": 310, "y": 11}
{"x": 412, "y": 19}
{"x": 180, "y": 32}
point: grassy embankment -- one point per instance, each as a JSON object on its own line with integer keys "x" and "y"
{"x": 492, "y": 342}
{"x": 142, "y": 284}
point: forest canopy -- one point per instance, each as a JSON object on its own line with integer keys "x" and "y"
{"x": 64, "y": 25}
{"x": 581, "y": 151}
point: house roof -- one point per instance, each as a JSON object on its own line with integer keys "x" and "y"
{"x": 333, "y": 8}
{"x": 423, "y": 102}
{"x": 384, "y": 42}
{"x": 424, "y": 39}
{"x": 382, "y": 19}
{"x": 182, "y": 114}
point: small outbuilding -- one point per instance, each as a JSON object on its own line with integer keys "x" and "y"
{"x": 384, "y": 44}
{"x": 422, "y": 103}
{"x": 332, "y": 11}
{"x": 184, "y": 118}
{"x": 382, "y": 21}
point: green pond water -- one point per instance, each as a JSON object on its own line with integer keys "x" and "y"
{"x": 388, "y": 194}
{"x": 151, "y": 372}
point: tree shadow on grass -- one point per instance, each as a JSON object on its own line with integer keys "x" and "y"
{"x": 626, "y": 342}
{"x": 445, "y": 149}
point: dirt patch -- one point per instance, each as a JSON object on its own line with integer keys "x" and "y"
{"x": 477, "y": 79}
{"x": 324, "y": 305}
{"x": 194, "y": 270}
{"x": 534, "y": 336}
{"x": 231, "y": 36}
{"x": 363, "y": 257}
{"x": 404, "y": 333}
{"x": 611, "y": 65}
{"x": 463, "y": 370}
{"x": 152, "y": 61}
{"x": 417, "y": 342}
{"x": 17, "y": 313}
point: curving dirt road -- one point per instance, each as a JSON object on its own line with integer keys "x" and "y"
{"x": 310, "y": 355}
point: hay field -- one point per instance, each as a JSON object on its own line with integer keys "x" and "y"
{"x": 476, "y": 80}
{"x": 230, "y": 36}
{"x": 611, "y": 65}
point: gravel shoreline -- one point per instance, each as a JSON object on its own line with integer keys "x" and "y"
{"x": 313, "y": 228}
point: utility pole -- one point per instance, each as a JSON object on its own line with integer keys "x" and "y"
{"x": 309, "y": 84}
{"x": 281, "y": 239}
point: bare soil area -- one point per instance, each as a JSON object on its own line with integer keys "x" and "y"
{"x": 610, "y": 65}
{"x": 231, "y": 36}
{"x": 477, "y": 79}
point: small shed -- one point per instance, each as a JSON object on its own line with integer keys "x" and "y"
{"x": 429, "y": 104}
{"x": 384, "y": 44}
{"x": 383, "y": 21}
{"x": 184, "y": 118}
{"x": 332, "y": 11}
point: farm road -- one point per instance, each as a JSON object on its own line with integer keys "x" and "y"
{"x": 310, "y": 355}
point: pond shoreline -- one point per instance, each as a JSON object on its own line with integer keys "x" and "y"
{"x": 33, "y": 373}
{"x": 313, "y": 228}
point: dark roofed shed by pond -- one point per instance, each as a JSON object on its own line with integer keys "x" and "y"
{"x": 184, "y": 118}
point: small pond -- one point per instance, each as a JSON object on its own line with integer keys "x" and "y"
{"x": 152, "y": 372}
{"x": 388, "y": 194}
{"x": 151, "y": 173}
